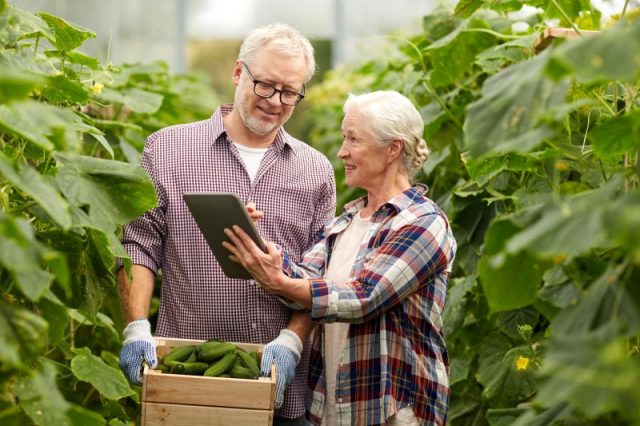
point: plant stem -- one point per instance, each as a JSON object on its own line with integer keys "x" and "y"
{"x": 565, "y": 16}
{"x": 494, "y": 33}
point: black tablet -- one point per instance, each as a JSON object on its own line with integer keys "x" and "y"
{"x": 215, "y": 211}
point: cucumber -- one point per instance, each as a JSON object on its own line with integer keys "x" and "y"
{"x": 222, "y": 366}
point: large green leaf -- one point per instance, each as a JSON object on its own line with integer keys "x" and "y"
{"x": 112, "y": 192}
{"x": 80, "y": 416}
{"x": 623, "y": 221}
{"x": 23, "y": 335}
{"x": 21, "y": 254}
{"x": 453, "y": 55}
{"x": 40, "y": 398}
{"x": 510, "y": 281}
{"x": 617, "y": 136}
{"x": 455, "y": 308}
{"x": 507, "y": 116}
{"x": 601, "y": 57}
{"x": 568, "y": 226}
{"x": 67, "y": 36}
{"x": 498, "y": 374}
{"x": 485, "y": 169}
{"x": 61, "y": 89}
{"x": 137, "y": 100}
{"x": 17, "y": 84}
{"x": 23, "y": 25}
{"x": 45, "y": 125}
{"x": 38, "y": 187}
{"x": 109, "y": 381}
{"x": 593, "y": 372}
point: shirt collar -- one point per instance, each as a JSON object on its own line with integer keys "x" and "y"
{"x": 282, "y": 139}
{"x": 399, "y": 202}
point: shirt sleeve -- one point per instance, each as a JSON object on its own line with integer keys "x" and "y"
{"x": 411, "y": 256}
{"x": 143, "y": 238}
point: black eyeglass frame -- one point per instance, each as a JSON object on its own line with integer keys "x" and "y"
{"x": 280, "y": 92}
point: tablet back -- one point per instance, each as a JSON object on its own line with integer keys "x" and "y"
{"x": 215, "y": 211}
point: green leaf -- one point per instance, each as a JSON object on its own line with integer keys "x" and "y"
{"x": 80, "y": 416}
{"x": 617, "y": 136}
{"x": 82, "y": 59}
{"x": 485, "y": 169}
{"x": 509, "y": 281}
{"x": 60, "y": 89}
{"x": 502, "y": 382}
{"x": 109, "y": 381}
{"x": 40, "y": 398}
{"x": 593, "y": 372}
{"x": 16, "y": 84}
{"x": 455, "y": 308}
{"x": 67, "y": 36}
{"x": 623, "y": 221}
{"x": 22, "y": 336}
{"x": 459, "y": 370}
{"x": 45, "y": 125}
{"x": 601, "y": 57}
{"x": 21, "y": 254}
{"x": 38, "y": 187}
{"x": 55, "y": 313}
{"x": 113, "y": 192}
{"x": 137, "y": 100}
{"x": 465, "y": 8}
{"x": 506, "y": 117}
{"x": 503, "y": 416}
{"x": 24, "y": 25}
{"x": 568, "y": 226}
{"x": 453, "y": 55}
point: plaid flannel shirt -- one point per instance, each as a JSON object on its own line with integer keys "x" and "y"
{"x": 395, "y": 355}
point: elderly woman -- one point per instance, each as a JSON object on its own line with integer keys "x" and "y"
{"x": 376, "y": 279}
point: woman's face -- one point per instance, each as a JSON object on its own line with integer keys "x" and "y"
{"x": 365, "y": 159}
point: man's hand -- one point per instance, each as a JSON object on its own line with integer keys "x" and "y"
{"x": 138, "y": 346}
{"x": 284, "y": 352}
{"x": 253, "y": 211}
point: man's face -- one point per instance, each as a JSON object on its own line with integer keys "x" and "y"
{"x": 264, "y": 116}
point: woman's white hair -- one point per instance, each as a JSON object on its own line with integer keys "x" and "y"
{"x": 390, "y": 115}
{"x": 284, "y": 38}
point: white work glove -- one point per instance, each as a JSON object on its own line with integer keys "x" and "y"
{"x": 285, "y": 352}
{"x": 138, "y": 345}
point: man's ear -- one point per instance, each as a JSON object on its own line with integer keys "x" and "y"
{"x": 237, "y": 71}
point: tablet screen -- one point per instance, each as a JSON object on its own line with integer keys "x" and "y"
{"x": 215, "y": 211}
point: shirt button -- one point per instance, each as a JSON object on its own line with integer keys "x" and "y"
{"x": 254, "y": 325}
{"x": 339, "y": 399}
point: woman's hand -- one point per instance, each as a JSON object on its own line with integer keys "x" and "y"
{"x": 266, "y": 268}
{"x": 253, "y": 211}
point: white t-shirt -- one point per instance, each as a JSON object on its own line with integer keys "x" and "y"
{"x": 343, "y": 257}
{"x": 252, "y": 158}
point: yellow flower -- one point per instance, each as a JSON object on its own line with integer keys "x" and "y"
{"x": 561, "y": 166}
{"x": 96, "y": 88}
{"x": 522, "y": 362}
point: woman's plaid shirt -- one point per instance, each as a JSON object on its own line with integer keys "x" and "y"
{"x": 395, "y": 354}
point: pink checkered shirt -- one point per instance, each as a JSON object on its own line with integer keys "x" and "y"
{"x": 295, "y": 187}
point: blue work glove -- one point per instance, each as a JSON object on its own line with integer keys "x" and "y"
{"x": 138, "y": 345}
{"x": 285, "y": 352}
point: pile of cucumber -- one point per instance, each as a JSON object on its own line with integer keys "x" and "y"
{"x": 212, "y": 359}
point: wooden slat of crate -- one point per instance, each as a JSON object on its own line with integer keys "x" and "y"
{"x": 218, "y": 391}
{"x": 168, "y": 394}
{"x": 182, "y": 415}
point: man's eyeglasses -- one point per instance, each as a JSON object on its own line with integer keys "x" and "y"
{"x": 265, "y": 90}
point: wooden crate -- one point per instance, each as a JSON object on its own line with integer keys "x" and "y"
{"x": 171, "y": 399}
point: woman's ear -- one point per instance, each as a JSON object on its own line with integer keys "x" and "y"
{"x": 395, "y": 149}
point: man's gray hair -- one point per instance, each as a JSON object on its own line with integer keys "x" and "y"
{"x": 282, "y": 37}
{"x": 390, "y": 115}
